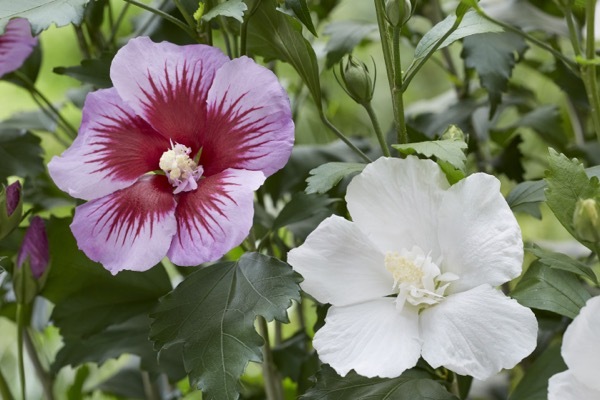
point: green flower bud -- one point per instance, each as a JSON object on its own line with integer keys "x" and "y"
{"x": 11, "y": 208}
{"x": 453, "y": 132}
{"x": 398, "y": 12}
{"x": 586, "y": 220}
{"x": 357, "y": 80}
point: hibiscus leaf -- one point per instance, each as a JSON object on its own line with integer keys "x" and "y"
{"x": 562, "y": 262}
{"x": 412, "y": 384}
{"x": 493, "y": 56}
{"x": 43, "y": 13}
{"x": 344, "y": 37}
{"x": 534, "y": 384}
{"x": 212, "y": 313}
{"x": 93, "y": 71}
{"x": 526, "y": 197}
{"x": 230, "y": 8}
{"x": 471, "y": 24}
{"x": 551, "y": 289}
{"x": 325, "y": 177}
{"x": 302, "y": 12}
{"x": 20, "y": 154}
{"x": 275, "y": 35}
{"x": 567, "y": 183}
{"x": 449, "y": 150}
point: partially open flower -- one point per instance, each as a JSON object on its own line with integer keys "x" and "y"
{"x": 581, "y": 352}
{"x": 170, "y": 157}
{"x": 415, "y": 273}
{"x": 16, "y": 44}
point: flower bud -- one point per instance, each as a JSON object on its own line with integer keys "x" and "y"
{"x": 357, "y": 80}
{"x": 586, "y": 220}
{"x": 11, "y": 208}
{"x": 33, "y": 260}
{"x": 453, "y": 132}
{"x": 398, "y": 12}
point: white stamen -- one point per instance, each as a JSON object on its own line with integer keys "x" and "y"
{"x": 182, "y": 172}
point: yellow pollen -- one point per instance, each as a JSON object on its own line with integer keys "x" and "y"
{"x": 402, "y": 269}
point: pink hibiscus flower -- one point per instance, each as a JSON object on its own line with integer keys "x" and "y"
{"x": 170, "y": 157}
{"x": 16, "y": 44}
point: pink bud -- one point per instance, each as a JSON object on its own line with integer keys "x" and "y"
{"x": 35, "y": 247}
{"x": 13, "y": 196}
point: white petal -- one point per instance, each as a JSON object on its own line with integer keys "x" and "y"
{"x": 477, "y": 332}
{"x": 372, "y": 338}
{"x": 340, "y": 265}
{"x": 479, "y": 235}
{"x": 396, "y": 202}
{"x": 565, "y": 386}
{"x": 581, "y": 344}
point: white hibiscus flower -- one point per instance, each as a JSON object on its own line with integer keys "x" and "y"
{"x": 415, "y": 273}
{"x": 581, "y": 352}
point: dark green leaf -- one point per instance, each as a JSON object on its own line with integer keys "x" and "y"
{"x": 344, "y": 37}
{"x": 471, "y": 24}
{"x": 551, "y": 289}
{"x": 94, "y": 71}
{"x": 301, "y": 11}
{"x": 526, "y": 197}
{"x": 534, "y": 385}
{"x": 567, "y": 183}
{"x": 230, "y": 8}
{"x": 43, "y": 13}
{"x": 127, "y": 383}
{"x": 275, "y": 35}
{"x": 449, "y": 150}
{"x": 302, "y": 206}
{"x": 20, "y": 154}
{"x": 326, "y": 176}
{"x": 562, "y": 262}
{"x": 30, "y": 120}
{"x": 411, "y": 385}
{"x": 212, "y": 313}
{"x": 75, "y": 392}
{"x": 547, "y": 122}
{"x": 493, "y": 56}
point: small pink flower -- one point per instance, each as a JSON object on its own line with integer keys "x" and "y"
{"x": 170, "y": 157}
{"x": 35, "y": 248}
{"x": 16, "y": 44}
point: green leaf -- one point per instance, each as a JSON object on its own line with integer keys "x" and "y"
{"x": 93, "y": 71}
{"x": 20, "y": 154}
{"x": 551, "y": 289}
{"x": 567, "y": 183}
{"x": 547, "y": 122}
{"x": 301, "y": 11}
{"x": 326, "y": 176}
{"x": 449, "y": 150}
{"x": 212, "y": 313}
{"x": 411, "y": 385}
{"x": 275, "y": 35}
{"x": 30, "y": 120}
{"x": 493, "y": 56}
{"x": 562, "y": 262}
{"x": 534, "y": 385}
{"x": 471, "y": 24}
{"x": 302, "y": 206}
{"x": 344, "y": 37}
{"x": 526, "y": 197}
{"x": 230, "y": 8}
{"x": 43, "y": 13}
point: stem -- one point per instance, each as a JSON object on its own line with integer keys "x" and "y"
{"x": 41, "y": 373}
{"x": 573, "y": 34}
{"x": 385, "y": 42}
{"x": 186, "y": 15}
{"x": 83, "y": 46}
{"x": 164, "y": 15}
{"x": 343, "y": 137}
{"x": 588, "y": 70}
{"x": 273, "y": 386}
{"x": 20, "y": 326}
{"x": 117, "y": 24}
{"x": 4, "y": 390}
{"x": 397, "y": 90}
{"x": 50, "y": 115}
{"x": 244, "y": 28}
{"x": 375, "y": 122}
{"x": 71, "y": 131}
{"x": 225, "y": 32}
{"x": 150, "y": 390}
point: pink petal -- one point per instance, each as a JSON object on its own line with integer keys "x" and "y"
{"x": 16, "y": 44}
{"x": 249, "y": 122}
{"x": 113, "y": 149}
{"x": 129, "y": 229}
{"x": 214, "y": 218}
{"x": 167, "y": 85}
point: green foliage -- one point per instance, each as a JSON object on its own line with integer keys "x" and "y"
{"x": 449, "y": 150}
{"x": 94, "y": 71}
{"x": 551, "y": 289}
{"x": 230, "y": 8}
{"x": 326, "y": 176}
{"x": 562, "y": 262}
{"x": 277, "y": 36}
{"x": 43, "y": 13}
{"x": 344, "y": 36}
{"x": 300, "y": 9}
{"x": 20, "y": 154}
{"x": 212, "y": 312}
{"x": 493, "y": 56}
{"x": 411, "y": 385}
{"x": 526, "y": 197}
